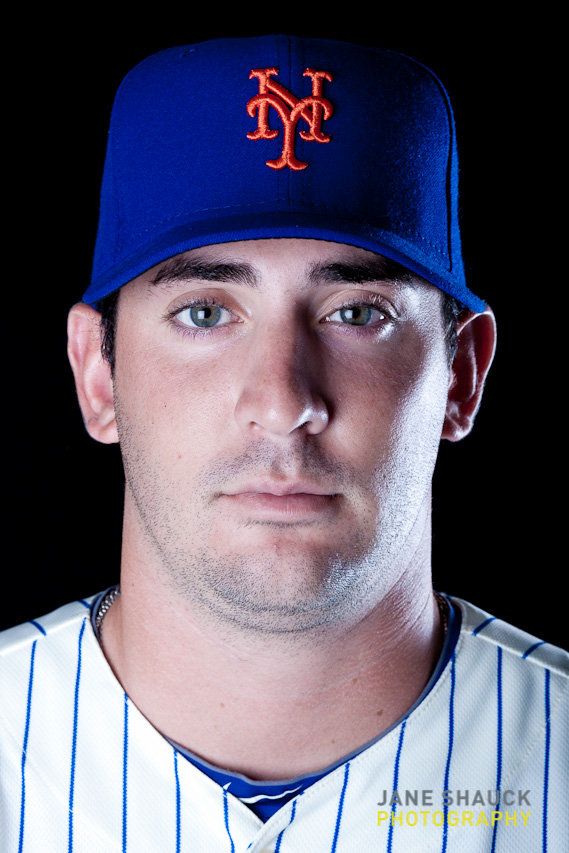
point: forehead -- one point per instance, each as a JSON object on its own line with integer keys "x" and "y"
{"x": 257, "y": 263}
{"x": 284, "y": 250}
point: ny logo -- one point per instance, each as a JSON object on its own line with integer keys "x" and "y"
{"x": 312, "y": 109}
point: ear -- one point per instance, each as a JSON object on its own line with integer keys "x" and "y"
{"x": 474, "y": 354}
{"x": 92, "y": 372}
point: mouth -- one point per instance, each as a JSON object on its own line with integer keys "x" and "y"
{"x": 281, "y": 501}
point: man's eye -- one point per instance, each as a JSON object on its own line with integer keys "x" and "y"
{"x": 357, "y": 315}
{"x": 203, "y": 316}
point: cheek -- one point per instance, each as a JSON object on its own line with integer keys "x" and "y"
{"x": 176, "y": 407}
{"x": 391, "y": 404}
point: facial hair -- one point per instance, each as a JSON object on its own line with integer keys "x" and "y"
{"x": 259, "y": 591}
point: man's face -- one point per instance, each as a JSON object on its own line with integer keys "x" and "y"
{"x": 279, "y": 408}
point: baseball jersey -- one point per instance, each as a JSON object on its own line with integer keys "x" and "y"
{"x": 480, "y": 764}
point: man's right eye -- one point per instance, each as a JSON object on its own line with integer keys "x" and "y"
{"x": 203, "y": 316}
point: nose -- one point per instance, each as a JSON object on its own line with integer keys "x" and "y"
{"x": 281, "y": 385}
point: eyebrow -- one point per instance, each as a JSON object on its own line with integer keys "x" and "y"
{"x": 186, "y": 269}
{"x": 380, "y": 269}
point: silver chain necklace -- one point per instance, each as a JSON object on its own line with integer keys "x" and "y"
{"x": 443, "y": 610}
{"x": 105, "y": 606}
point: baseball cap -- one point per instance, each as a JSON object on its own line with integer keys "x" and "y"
{"x": 280, "y": 136}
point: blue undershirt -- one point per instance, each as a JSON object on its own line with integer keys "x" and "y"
{"x": 266, "y": 797}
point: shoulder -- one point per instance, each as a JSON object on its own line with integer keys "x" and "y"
{"x": 482, "y": 630}
{"x": 518, "y": 683}
{"x": 42, "y": 652}
{"x": 56, "y": 625}
{"x": 47, "y": 666}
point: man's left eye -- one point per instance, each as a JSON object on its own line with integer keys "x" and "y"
{"x": 357, "y": 315}
{"x": 203, "y": 316}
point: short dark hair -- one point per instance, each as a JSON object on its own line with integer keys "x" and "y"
{"x": 108, "y": 308}
{"x": 452, "y": 309}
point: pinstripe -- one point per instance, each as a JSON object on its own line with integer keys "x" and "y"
{"x": 483, "y": 625}
{"x": 25, "y": 746}
{"x": 85, "y": 603}
{"x": 500, "y": 665}
{"x": 125, "y": 774}
{"x": 178, "y": 828}
{"x": 546, "y": 763}
{"x": 498, "y": 742}
{"x": 340, "y": 809}
{"x": 395, "y": 783}
{"x": 450, "y": 745}
{"x": 226, "y": 818}
{"x": 531, "y": 649}
{"x": 280, "y": 836}
{"x": 74, "y": 741}
{"x": 38, "y": 626}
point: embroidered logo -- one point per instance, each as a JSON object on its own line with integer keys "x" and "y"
{"x": 313, "y": 110}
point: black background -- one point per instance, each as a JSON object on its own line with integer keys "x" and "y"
{"x": 497, "y": 510}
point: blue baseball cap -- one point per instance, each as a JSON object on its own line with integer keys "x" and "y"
{"x": 280, "y": 136}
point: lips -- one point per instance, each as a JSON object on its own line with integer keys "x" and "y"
{"x": 281, "y": 501}
{"x": 277, "y": 489}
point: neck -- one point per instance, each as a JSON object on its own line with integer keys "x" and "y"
{"x": 267, "y": 705}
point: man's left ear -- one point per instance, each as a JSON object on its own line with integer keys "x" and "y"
{"x": 472, "y": 360}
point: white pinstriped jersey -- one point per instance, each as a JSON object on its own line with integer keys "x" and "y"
{"x": 82, "y": 770}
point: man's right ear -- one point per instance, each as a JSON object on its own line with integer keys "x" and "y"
{"x": 92, "y": 373}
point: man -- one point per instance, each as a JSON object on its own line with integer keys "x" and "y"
{"x": 278, "y": 333}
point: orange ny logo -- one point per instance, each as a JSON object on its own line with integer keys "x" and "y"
{"x": 312, "y": 109}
